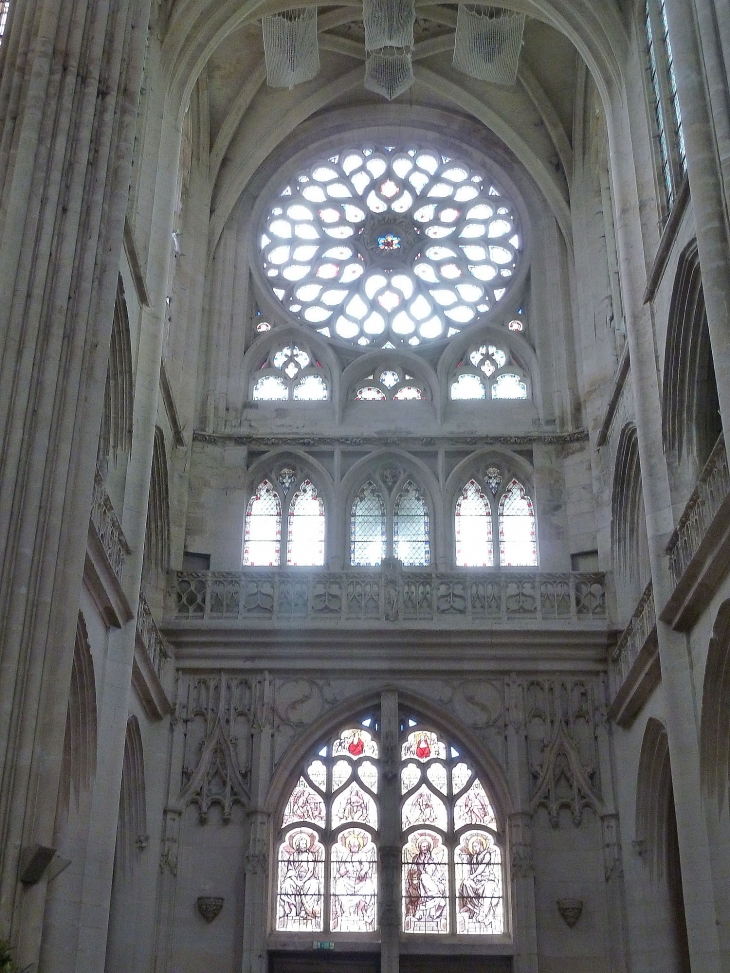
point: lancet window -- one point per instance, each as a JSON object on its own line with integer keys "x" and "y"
{"x": 451, "y": 864}
{"x": 486, "y": 507}
{"x": 276, "y": 504}
{"x": 663, "y": 84}
{"x": 390, "y": 518}
{"x": 389, "y": 383}
{"x": 488, "y": 372}
{"x": 290, "y": 373}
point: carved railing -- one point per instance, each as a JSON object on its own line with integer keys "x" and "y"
{"x": 108, "y": 528}
{"x": 321, "y": 596}
{"x": 149, "y": 634}
{"x": 634, "y": 637}
{"x": 713, "y": 486}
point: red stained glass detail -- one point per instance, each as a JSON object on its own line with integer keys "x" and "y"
{"x": 423, "y": 750}
{"x": 356, "y": 747}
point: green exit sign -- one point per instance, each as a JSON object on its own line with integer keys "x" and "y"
{"x": 322, "y": 944}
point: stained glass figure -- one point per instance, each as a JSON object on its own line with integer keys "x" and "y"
{"x": 473, "y": 528}
{"x": 479, "y": 891}
{"x": 304, "y": 805}
{"x": 367, "y": 527}
{"x": 354, "y": 882}
{"x": 356, "y": 742}
{"x": 423, "y": 745}
{"x": 423, "y": 807}
{"x": 410, "y": 775}
{"x": 425, "y": 884}
{"x": 474, "y": 808}
{"x": 305, "y": 542}
{"x": 411, "y": 543}
{"x": 354, "y": 805}
{"x": 517, "y": 540}
{"x": 262, "y": 535}
{"x": 300, "y": 872}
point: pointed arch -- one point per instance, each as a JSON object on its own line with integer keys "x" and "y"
{"x": 517, "y": 527}
{"x": 262, "y": 531}
{"x": 157, "y": 529}
{"x": 715, "y": 720}
{"x": 473, "y": 531}
{"x": 306, "y": 527}
{"x": 653, "y": 796}
{"x": 411, "y": 526}
{"x": 368, "y": 538}
{"x": 79, "y": 742}
{"x": 132, "y": 825}
{"x": 116, "y": 424}
{"x": 690, "y": 405}
{"x": 629, "y": 543}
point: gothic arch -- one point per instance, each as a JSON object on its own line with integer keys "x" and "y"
{"x": 715, "y": 720}
{"x": 484, "y": 760}
{"x": 289, "y": 334}
{"x": 628, "y": 521}
{"x": 116, "y": 423}
{"x": 653, "y": 796}
{"x": 157, "y": 528}
{"x": 79, "y": 742}
{"x": 520, "y": 350}
{"x": 132, "y": 826}
{"x": 422, "y": 371}
{"x": 690, "y": 408}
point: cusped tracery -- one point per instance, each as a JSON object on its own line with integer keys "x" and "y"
{"x": 390, "y": 245}
{"x": 488, "y": 371}
{"x": 290, "y": 372}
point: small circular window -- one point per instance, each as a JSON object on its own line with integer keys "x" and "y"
{"x": 386, "y": 245}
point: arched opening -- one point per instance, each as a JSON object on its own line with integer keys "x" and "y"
{"x": 629, "y": 542}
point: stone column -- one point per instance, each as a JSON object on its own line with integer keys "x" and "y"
{"x": 676, "y": 670}
{"x": 71, "y": 75}
{"x": 519, "y": 834}
{"x": 390, "y": 851}
{"x": 702, "y": 133}
{"x": 258, "y": 865}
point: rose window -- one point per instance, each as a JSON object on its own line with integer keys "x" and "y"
{"x": 386, "y": 246}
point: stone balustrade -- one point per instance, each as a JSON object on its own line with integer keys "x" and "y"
{"x": 713, "y": 487}
{"x": 150, "y": 637}
{"x": 634, "y": 637}
{"x": 108, "y": 528}
{"x": 387, "y": 594}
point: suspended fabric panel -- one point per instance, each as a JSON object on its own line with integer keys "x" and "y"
{"x": 388, "y": 23}
{"x": 388, "y": 72}
{"x": 290, "y": 47}
{"x": 487, "y": 44}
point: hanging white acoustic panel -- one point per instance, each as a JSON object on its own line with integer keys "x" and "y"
{"x": 290, "y": 47}
{"x": 388, "y": 72}
{"x": 388, "y": 23}
{"x": 487, "y": 44}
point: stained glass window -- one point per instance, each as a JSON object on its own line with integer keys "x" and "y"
{"x": 368, "y": 542}
{"x": 411, "y": 543}
{"x": 262, "y": 535}
{"x": 473, "y": 528}
{"x": 305, "y": 544}
{"x": 388, "y": 246}
{"x": 452, "y": 878}
{"x": 327, "y": 877}
{"x": 392, "y": 383}
{"x": 488, "y": 367}
{"x": 667, "y": 115}
{"x": 290, "y": 373}
{"x": 517, "y": 535}
{"x": 509, "y": 386}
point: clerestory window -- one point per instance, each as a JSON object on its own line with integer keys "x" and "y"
{"x": 487, "y": 508}
{"x": 488, "y": 371}
{"x": 290, "y": 373}
{"x": 392, "y": 383}
{"x": 390, "y": 518}
{"x": 276, "y": 505}
{"x": 451, "y": 865}
{"x": 667, "y": 119}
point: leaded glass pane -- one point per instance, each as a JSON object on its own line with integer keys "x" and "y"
{"x": 310, "y": 388}
{"x": 468, "y": 386}
{"x": 474, "y": 808}
{"x": 368, "y": 774}
{"x": 410, "y": 775}
{"x": 423, "y": 807}
{"x": 408, "y": 392}
{"x": 411, "y": 527}
{"x": 341, "y": 773}
{"x": 300, "y": 886}
{"x": 517, "y": 538}
{"x": 473, "y": 528}
{"x": 479, "y": 893}
{"x": 317, "y": 773}
{"x": 370, "y": 393}
{"x": 262, "y": 537}
{"x": 460, "y": 775}
{"x": 436, "y": 773}
{"x": 367, "y": 527}
{"x": 425, "y": 884}
{"x": 354, "y": 805}
{"x": 673, "y": 97}
{"x": 271, "y": 388}
{"x": 423, "y": 745}
{"x": 355, "y": 743}
{"x": 509, "y": 386}
{"x": 305, "y": 543}
{"x": 304, "y": 805}
{"x": 354, "y": 882}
